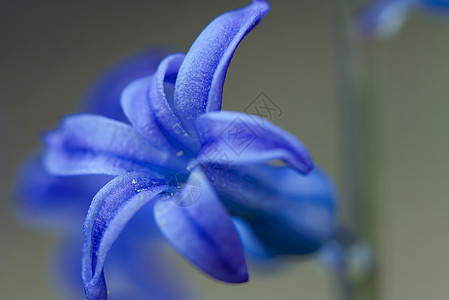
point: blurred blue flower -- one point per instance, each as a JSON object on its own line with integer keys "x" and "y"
{"x": 279, "y": 211}
{"x": 60, "y": 203}
{"x": 385, "y": 17}
{"x": 196, "y": 165}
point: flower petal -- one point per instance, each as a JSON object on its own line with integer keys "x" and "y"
{"x": 149, "y": 108}
{"x": 289, "y": 212}
{"x": 136, "y": 106}
{"x": 111, "y": 209}
{"x": 232, "y": 137}
{"x": 199, "y": 85}
{"x": 104, "y": 96}
{"x": 162, "y": 104}
{"x": 135, "y": 270}
{"x": 202, "y": 232}
{"x": 54, "y": 202}
{"x": 91, "y": 144}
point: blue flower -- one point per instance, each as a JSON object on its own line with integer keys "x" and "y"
{"x": 60, "y": 203}
{"x": 385, "y": 17}
{"x": 196, "y": 164}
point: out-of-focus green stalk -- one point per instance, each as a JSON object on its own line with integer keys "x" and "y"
{"x": 357, "y": 116}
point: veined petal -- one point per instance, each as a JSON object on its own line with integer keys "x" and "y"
{"x": 104, "y": 96}
{"x": 232, "y": 137}
{"x": 202, "y": 232}
{"x": 199, "y": 85}
{"x": 162, "y": 104}
{"x": 111, "y": 209}
{"x": 135, "y": 270}
{"x": 91, "y": 144}
{"x": 136, "y": 106}
{"x": 289, "y": 212}
{"x": 54, "y": 202}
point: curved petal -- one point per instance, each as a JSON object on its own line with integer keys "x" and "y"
{"x": 162, "y": 104}
{"x": 104, "y": 96}
{"x": 136, "y": 106}
{"x": 54, "y": 202}
{"x": 289, "y": 212}
{"x": 110, "y": 211}
{"x": 91, "y": 144}
{"x": 199, "y": 85}
{"x": 232, "y": 137}
{"x": 135, "y": 270}
{"x": 202, "y": 232}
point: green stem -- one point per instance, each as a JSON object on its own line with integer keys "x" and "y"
{"x": 358, "y": 140}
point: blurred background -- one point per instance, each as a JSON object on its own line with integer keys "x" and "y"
{"x": 50, "y": 51}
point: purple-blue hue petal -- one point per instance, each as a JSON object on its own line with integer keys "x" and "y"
{"x": 53, "y": 202}
{"x": 104, "y": 96}
{"x": 200, "y": 80}
{"x": 91, "y": 144}
{"x": 135, "y": 270}
{"x": 162, "y": 104}
{"x": 289, "y": 212}
{"x": 136, "y": 106}
{"x": 232, "y": 137}
{"x": 203, "y": 232}
{"x": 110, "y": 211}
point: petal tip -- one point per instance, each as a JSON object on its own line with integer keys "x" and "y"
{"x": 264, "y": 4}
{"x": 242, "y": 277}
{"x": 309, "y": 166}
{"x": 238, "y": 276}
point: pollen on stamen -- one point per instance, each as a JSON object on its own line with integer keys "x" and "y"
{"x": 179, "y": 153}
